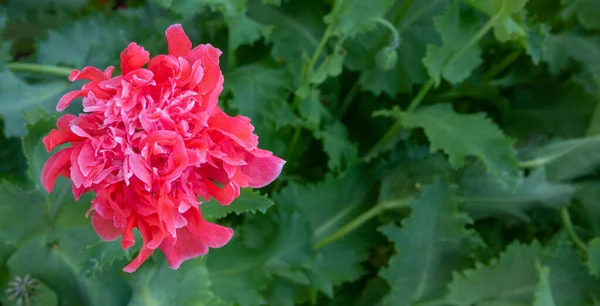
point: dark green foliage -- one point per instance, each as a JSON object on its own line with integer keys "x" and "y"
{"x": 439, "y": 152}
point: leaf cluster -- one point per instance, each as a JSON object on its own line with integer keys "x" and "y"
{"x": 439, "y": 152}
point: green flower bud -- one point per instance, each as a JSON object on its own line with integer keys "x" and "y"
{"x": 386, "y": 58}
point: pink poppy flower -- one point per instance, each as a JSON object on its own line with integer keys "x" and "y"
{"x": 150, "y": 143}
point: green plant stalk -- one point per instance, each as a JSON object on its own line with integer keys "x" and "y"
{"x": 502, "y": 65}
{"x": 389, "y": 135}
{"x": 594, "y": 127}
{"x": 348, "y": 99}
{"x": 420, "y": 95}
{"x": 36, "y": 68}
{"x": 305, "y": 77}
{"x": 358, "y": 221}
{"x": 395, "y": 35}
{"x": 566, "y": 218}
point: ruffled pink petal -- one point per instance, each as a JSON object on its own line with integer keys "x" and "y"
{"x": 143, "y": 255}
{"x": 105, "y": 228}
{"x": 88, "y": 73}
{"x": 133, "y": 57}
{"x": 194, "y": 240}
{"x": 57, "y": 164}
{"x": 262, "y": 170}
{"x": 66, "y": 100}
{"x": 224, "y": 195}
{"x": 178, "y": 41}
{"x": 238, "y": 128}
{"x": 56, "y": 138}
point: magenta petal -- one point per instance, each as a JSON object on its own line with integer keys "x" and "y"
{"x": 193, "y": 241}
{"x": 179, "y": 43}
{"x": 89, "y": 73}
{"x": 54, "y": 166}
{"x": 66, "y": 100}
{"x": 105, "y": 228}
{"x": 262, "y": 170}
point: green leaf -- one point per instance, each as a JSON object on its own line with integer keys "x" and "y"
{"x": 566, "y": 46}
{"x": 341, "y": 151}
{"x": 297, "y": 30}
{"x": 312, "y": 110}
{"x": 506, "y": 26}
{"x": 593, "y": 262}
{"x": 584, "y": 10}
{"x": 331, "y": 66}
{"x": 252, "y": 98}
{"x": 510, "y": 280}
{"x": 588, "y": 196}
{"x": 327, "y": 206}
{"x": 274, "y": 256}
{"x": 156, "y": 284}
{"x": 513, "y": 278}
{"x": 457, "y": 57}
{"x": 350, "y": 17}
{"x": 242, "y": 30}
{"x": 432, "y": 242}
{"x": 248, "y": 201}
{"x": 543, "y": 293}
{"x": 462, "y": 135}
{"x": 17, "y": 98}
{"x": 482, "y": 195}
{"x": 94, "y": 41}
{"x": 569, "y": 279}
{"x": 566, "y": 159}
{"x": 238, "y": 279}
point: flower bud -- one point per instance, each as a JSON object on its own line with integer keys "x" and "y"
{"x": 386, "y": 58}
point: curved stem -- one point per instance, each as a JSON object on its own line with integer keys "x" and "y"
{"x": 348, "y": 99}
{"x": 488, "y": 26}
{"x": 358, "y": 221}
{"x": 391, "y": 132}
{"x": 395, "y": 35}
{"x": 315, "y": 57}
{"x": 566, "y": 217}
{"x": 36, "y": 68}
{"x": 502, "y": 65}
{"x": 420, "y": 95}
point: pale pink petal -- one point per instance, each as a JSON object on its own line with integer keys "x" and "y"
{"x": 262, "y": 170}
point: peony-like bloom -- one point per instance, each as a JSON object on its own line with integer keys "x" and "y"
{"x": 150, "y": 143}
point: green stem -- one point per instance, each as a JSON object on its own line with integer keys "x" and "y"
{"x": 305, "y": 77}
{"x": 289, "y": 152}
{"x": 486, "y": 28}
{"x": 36, "y": 68}
{"x": 395, "y": 35}
{"x": 358, "y": 221}
{"x": 420, "y": 95}
{"x": 315, "y": 57}
{"x": 348, "y": 99}
{"x": 391, "y": 132}
{"x": 502, "y": 65}
{"x": 594, "y": 126}
{"x": 566, "y": 217}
